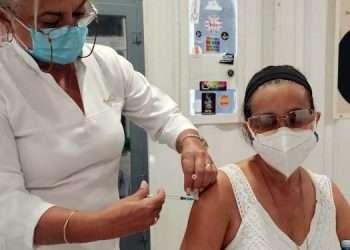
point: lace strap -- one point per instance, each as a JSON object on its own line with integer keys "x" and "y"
{"x": 241, "y": 188}
{"x": 324, "y": 189}
{"x": 325, "y": 222}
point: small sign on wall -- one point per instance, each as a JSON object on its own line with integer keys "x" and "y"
{"x": 213, "y": 98}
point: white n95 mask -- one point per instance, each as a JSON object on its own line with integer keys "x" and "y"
{"x": 285, "y": 149}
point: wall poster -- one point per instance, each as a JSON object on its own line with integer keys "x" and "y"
{"x": 213, "y": 26}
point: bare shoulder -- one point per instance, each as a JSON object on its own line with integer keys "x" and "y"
{"x": 219, "y": 195}
{"x": 223, "y": 186}
{"x": 211, "y": 217}
{"x": 343, "y": 213}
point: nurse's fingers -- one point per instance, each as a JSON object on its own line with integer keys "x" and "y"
{"x": 205, "y": 172}
{"x": 199, "y": 174}
{"x": 211, "y": 173}
{"x": 156, "y": 217}
{"x": 156, "y": 201}
{"x": 206, "y": 177}
{"x": 188, "y": 166}
{"x": 142, "y": 192}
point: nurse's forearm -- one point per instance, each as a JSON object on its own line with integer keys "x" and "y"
{"x": 136, "y": 213}
{"x": 81, "y": 228}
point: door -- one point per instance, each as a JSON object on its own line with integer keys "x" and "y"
{"x": 120, "y": 26}
{"x": 210, "y": 43}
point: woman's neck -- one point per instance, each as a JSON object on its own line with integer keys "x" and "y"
{"x": 277, "y": 179}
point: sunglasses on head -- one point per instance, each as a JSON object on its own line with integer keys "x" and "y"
{"x": 293, "y": 119}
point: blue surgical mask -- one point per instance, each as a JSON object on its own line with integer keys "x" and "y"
{"x": 62, "y": 46}
{"x": 57, "y": 45}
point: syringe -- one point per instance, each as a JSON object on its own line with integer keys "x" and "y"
{"x": 191, "y": 197}
{"x": 181, "y": 198}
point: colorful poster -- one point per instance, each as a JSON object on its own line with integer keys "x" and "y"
{"x": 214, "y": 28}
{"x": 212, "y": 44}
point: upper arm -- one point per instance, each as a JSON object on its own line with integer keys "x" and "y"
{"x": 343, "y": 214}
{"x": 152, "y": 109}
{"x": 22, "y": 210}
{"x": 10, "y": 170}
{"x": 142, "y": 103}
{"x": 211, "y": 217}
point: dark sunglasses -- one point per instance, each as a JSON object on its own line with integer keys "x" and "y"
{"x": 293, "y": 119}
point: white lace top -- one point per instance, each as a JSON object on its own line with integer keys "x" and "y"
{"x": 259, "y": 232}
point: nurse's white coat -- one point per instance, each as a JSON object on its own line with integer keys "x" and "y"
{"x": 53, "y": 154}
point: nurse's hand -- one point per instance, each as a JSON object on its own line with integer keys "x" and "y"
{"x": 199, "y": 169}
{"x": 133, "y": 214}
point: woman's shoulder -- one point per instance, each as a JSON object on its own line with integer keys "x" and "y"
{"x": 220, "y": 196}
{"x": 221, "y": 192}
{"x": 230, "y": 170}
{"x": 342, "y": 207}
{"x": 213, "y": 217}
{"x": 322, "y": 184}
{"x": 235, "y": 172}
{"x": 218, "y": 206}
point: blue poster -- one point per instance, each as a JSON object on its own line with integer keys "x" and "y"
{"x": 214, "y": 26}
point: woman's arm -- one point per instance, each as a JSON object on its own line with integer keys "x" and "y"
{"x": 343, "y": 214}
{"x": 214, "y": 218}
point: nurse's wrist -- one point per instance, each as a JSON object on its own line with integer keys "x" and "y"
{"x": 188, "y": 136}
{"x": 103, "y": 227}
{"x": 84, "y": 227}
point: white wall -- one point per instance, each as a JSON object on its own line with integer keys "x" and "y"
{"x": 297, "y": 32}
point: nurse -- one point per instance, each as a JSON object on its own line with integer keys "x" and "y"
{"x": 61, "y": 138}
